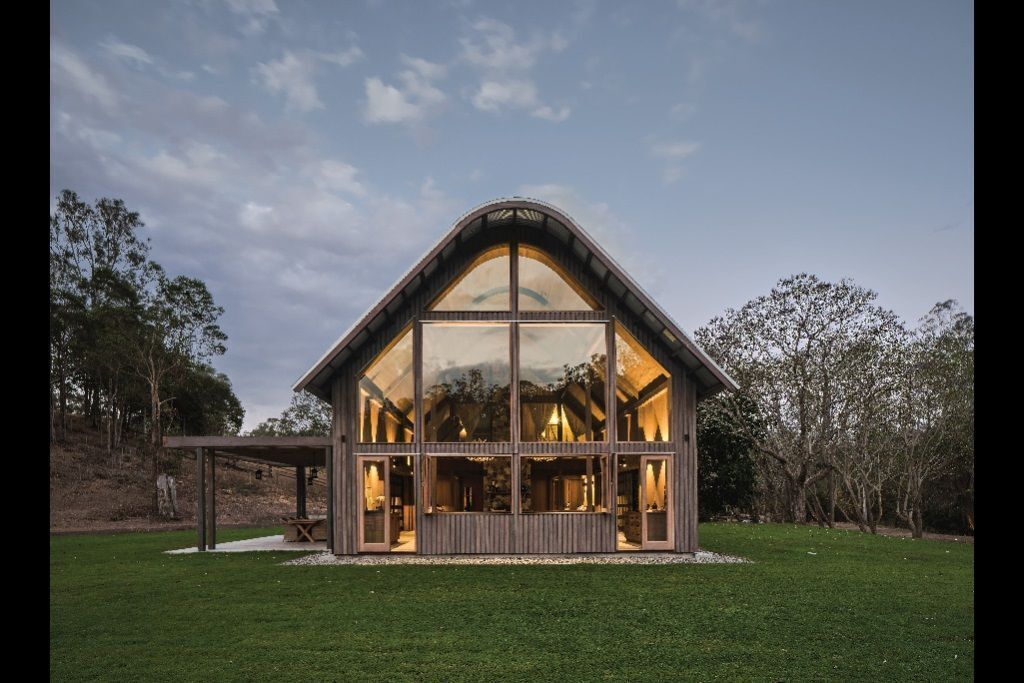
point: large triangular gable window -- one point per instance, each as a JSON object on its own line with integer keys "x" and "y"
{"x": 544, "y": 287}
{"x": 485, "y": 284}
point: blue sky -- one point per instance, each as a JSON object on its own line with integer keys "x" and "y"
{"x": 300, "y": 156}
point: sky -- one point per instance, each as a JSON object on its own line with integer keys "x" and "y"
{"x": 299, "y": 157}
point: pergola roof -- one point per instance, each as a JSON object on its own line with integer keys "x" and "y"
{"x": 543, "y": 217}
{"x": 284, "y": 451}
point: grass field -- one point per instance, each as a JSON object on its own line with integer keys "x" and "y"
{"x": 860, "y": 607}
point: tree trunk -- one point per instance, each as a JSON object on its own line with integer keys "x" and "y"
{"x": 817, "y": 512}
{"x": 797, "y": 501}
{"x": 831, "y": 500}
{"x": 62, "y": 389}
{"x": 53, "y": 431}
{"x": 154, "y": 433}
{"x": 918, "y": 528}
{"x": 167, "y": 497}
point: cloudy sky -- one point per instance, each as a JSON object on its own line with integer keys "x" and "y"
{"x": 299, "y": 156}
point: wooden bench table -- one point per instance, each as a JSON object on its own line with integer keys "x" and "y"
{"x": 303, "y": 528}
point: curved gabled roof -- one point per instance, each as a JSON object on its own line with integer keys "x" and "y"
{"x": 559, "y": 224}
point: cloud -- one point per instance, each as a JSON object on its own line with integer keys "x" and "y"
{"x": 256, "y": 14}
{"x": 494, "y": 47}
{"x": 726, "y": 14}
{"x": 138, "y": 58}
{"x": 338, "y": 176}
{"x": 127, "y": 52}
{"x": 504, "y": 65}
{"x": 673, "y": 153}
{"x": 69, "y": 71}
{"x": 674, "y": 150}
{"x": 682, "y": 111}
{"x": 293, "y": 76}
{"x": 493, "y": 95}
{"x": 345, "y": 58}
{"x": 412, "y": 101}
{"x": 547, "y": 113}
{"x": 428, "y": 70}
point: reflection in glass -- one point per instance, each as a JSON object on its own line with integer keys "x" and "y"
{"x": 641, "y": 391}
{"x": 656, "y": 498}
{"x": 562, "y": 369}
{"x": 562, "y": 483}
{"x": 386, "y": 406}
{"x": 466, "y": 381}
{"x": 471, "y": 483}
{"x": 374, "y": 501}
{"x": 628, "y": 520}
{"x": 482, "y": 286}
{"x": 544, "y": 287}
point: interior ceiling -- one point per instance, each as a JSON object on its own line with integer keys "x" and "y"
{"x": 547, "y": 220}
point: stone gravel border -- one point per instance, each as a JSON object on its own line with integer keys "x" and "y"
{"x": 700, "y": 557}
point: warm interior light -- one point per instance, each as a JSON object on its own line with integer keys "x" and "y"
{"x": 463, "y": 434}
{"x": 554, "y": 417}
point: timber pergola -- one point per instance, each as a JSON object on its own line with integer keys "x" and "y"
{"x": 299, "y": 452}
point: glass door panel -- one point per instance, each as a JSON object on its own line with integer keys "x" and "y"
{"x": 657, "y": 505}
{"x": 374, "y": 506}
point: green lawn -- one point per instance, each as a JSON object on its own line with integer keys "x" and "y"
{"x": 861, "y": 607}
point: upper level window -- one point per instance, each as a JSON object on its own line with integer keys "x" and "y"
{"x": 641, "y": 391}
{"x": 386, "y": 406}
{"x": 482, "y": 286}
{"x": 466, "y": 382}
{"x": 562, "y": 370}
{"x": 544, "y": 287}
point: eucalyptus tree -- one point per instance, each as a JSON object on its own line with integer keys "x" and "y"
{"x": 307, "y": 415}
{"x": 935, "y": 408}
{"x": 793, "y": 352}
{"x": 864, "y": 460}
{"x": 179, "y": 329}
{"x": 203, "y": 402}
{"x": 98, "y": 267}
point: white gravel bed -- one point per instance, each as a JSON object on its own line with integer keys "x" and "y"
{"x": 700, "y": 557}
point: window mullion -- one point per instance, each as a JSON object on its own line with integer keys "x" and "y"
{"x": 515, "y": 413}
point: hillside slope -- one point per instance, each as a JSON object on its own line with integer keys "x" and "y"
{"x": 93, "y": 491}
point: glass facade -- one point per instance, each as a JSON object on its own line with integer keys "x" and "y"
{"x": 470, "y": 483}
{"x": 386, "y": 405}
{"x": 641, "y": 391}
{"x": 482, "y": 286}
{"x": 572, "y": 483}
{"x": 562, "y": 371}
{"x": 543, "y": 286}
{"x": 466, "y": 382}
{"x": 561, "y": 366}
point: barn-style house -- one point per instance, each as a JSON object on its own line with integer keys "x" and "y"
{"x": 515, "y": 392}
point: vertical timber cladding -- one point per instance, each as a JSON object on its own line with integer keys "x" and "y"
{"x": 443, "y": 533}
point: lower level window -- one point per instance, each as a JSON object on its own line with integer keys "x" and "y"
{"x": 562, "y": 483}
{"x": 474, "y": 483}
